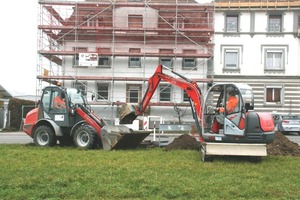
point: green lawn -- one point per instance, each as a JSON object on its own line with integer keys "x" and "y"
{"x": 29, "y": 172}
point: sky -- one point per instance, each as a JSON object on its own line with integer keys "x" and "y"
{"x": 18, "y": 39}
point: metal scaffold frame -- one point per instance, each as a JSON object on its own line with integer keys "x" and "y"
{"x": 168, "y": 29}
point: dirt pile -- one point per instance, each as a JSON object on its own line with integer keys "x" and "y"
{"x": 281, "y": 145}
{"x": 183, "y": 142}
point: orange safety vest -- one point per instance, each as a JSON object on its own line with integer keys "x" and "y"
{"x": 230, "y": 104}
{"x": 59, "y": 102}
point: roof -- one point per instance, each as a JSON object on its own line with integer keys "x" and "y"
{"x": 4, "y": 94}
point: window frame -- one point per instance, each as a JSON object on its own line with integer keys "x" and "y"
{"x": 132, "y": 65}
{"x": 272, "y": 16}
{"x": 185, "y": 97}
{"x": 131, "y": 87}
{"x": 184, "y": 63}
{"x": 232, "y": 15}
{"x": 163, "y": 91}
{"x": 135, "y": 21}
{"x": 226, "y": 63}
{"x": 108, "y": 65}
{"x": 267, "y": 93}
{"x": 165, "y": 58}
{"x": 282, "y": 59}
{"x": 101, "y": 97}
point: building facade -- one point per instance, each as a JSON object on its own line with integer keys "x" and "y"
{"x": 109, "y": 49}
{"x": 257, "y": 43}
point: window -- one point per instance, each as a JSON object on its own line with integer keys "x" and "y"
{"x": 76, "y": 60}
{"x": 274, "y": 24}
{"x": 104, "y": 61}
{"x": 91, "y": 20}
{"x": 164, "y": 92}
{"x": 274, "y": 60}
{"x": 80, "y": 86}
{"x": 134, "y": 62}
{"x": 232, "y": 23}
{"x": 188, "y": 63}
{"x": 168, "y": 62}
{"x": 185, "y": 96}
{"x": 179, "y": 22}
{"x": 273, "y": 94}
{"x": 133, "y": 93}
{"x": 135, "y": 21}
{"x": 102, "y": 91}
{"x": 231, "y": 59}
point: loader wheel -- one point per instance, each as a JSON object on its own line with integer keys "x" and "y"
{"x": 85, "y": 137}
{"x": 44, "y": 136}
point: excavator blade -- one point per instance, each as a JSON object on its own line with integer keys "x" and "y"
{"x": 121, "y": 137}
{"x": 127, "y": 114}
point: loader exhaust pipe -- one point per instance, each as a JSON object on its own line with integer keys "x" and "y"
{"x": 127, "y": 114}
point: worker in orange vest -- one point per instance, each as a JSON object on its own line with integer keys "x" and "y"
{"x": 231, "y": 103}
{"x": 59, "y": 102}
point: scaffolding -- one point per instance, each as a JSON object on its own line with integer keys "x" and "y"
{"x": 117, "y": 31}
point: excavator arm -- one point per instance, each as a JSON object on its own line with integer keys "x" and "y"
{"x": 193, "y": 91}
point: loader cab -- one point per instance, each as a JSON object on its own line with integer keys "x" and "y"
{"x": 57, "y": 104}
{"x": 54, "y": 104}
{"x": 218, "y": 117}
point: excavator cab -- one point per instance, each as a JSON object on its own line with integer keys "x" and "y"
{"x": 221, "y": 116}
{"x": 222, "y": 123}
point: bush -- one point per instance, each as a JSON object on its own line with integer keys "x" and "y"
{"x": 15, "y": 107}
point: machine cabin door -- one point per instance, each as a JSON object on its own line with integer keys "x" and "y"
{"x": 55, "y": 105}
{"x": 234, "y": 120}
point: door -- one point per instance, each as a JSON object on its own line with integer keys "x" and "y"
{"x": 55, "y": 106}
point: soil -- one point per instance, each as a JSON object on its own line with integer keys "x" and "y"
{"x": 281, "y": 145}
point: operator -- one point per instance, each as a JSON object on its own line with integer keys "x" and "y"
{"x": 232, "y": 101}
{"x": 59, "y": 101}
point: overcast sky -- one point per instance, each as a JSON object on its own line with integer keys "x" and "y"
{"x": 18, "y": 41}
{"x": 18, "y": 46}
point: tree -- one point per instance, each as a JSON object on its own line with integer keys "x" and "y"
{"x": 180, "y": 113}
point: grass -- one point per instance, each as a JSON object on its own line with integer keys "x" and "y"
{"x": 29, "y": 172}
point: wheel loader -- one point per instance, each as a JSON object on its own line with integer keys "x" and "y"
{"x": 63, "y": 115}
{"x": 240, "y": 132}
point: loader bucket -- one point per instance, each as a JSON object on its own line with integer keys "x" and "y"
{"x": 121, "y": 137}
{"x": 127, "y": 114}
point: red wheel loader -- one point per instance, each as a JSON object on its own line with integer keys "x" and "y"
{"x": 241, "y": 132}
{"x": 64, "y": 115}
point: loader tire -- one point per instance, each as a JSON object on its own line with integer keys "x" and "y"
{"x": 85, "y": 137}
{"x": 44, "y": 136}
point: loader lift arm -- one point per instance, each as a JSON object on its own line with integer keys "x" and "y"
{"x": 191, "y": 88}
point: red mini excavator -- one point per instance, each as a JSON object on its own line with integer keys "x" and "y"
{"x": 241, "y": 132}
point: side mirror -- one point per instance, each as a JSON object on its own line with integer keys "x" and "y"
{"x": 248, "y": 107}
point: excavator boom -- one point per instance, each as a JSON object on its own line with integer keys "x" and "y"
{"x": 129, "y": 112}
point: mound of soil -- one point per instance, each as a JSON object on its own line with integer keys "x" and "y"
{"x": 281, "y": 145}
{"x": 184, "y": 141}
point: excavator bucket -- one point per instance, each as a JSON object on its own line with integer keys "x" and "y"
{"x": 127, "y": 114}
{"x": 121, "y": 137}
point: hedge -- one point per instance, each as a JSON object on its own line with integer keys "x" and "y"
{"x": 15, "y": 107}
